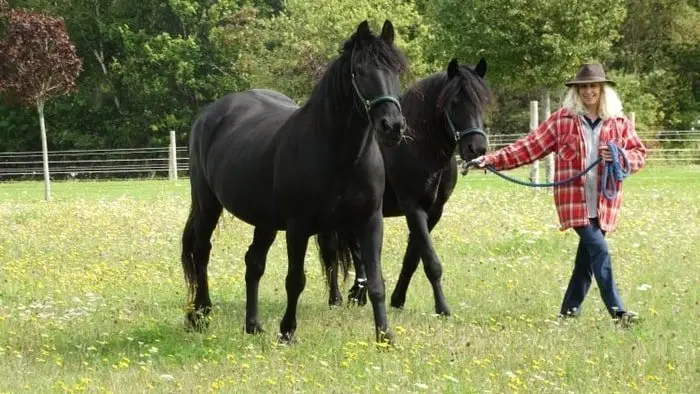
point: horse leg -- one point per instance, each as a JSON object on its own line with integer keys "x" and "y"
{"x": 371, "y": 238}
{"x": 297, "y": 242}
{"x": 335, "y": 298}
{"x": 411, "y": 259}
{"x": 421, "y": 245}
{"x": 255, "y": 261}
{"x": 196, "y": 248}
{"x": 358, "y": 291}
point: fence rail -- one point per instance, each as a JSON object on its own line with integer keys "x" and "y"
{"x": 664, "y": 147}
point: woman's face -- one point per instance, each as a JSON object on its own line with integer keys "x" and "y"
{"x": 590, "y": 94}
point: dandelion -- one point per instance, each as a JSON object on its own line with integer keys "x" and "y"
{"x": 421, "y": 386}
{"x": 450, "y": 378}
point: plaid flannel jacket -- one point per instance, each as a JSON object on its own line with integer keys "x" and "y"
{"x": 562, "y": 133}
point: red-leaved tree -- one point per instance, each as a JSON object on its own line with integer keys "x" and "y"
{"x": 38, "y": 62}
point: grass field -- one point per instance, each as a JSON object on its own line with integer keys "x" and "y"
{"x": 92, "y": 298}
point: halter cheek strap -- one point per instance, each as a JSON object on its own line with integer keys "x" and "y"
{"x": 459, "y": 134}
{"x": 368, "y": 104}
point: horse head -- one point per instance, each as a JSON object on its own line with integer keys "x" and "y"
{"x": 375, "y": 67}
{"x": 464, "y": 109}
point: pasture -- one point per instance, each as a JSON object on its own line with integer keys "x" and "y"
{"x": 92, "y": 298}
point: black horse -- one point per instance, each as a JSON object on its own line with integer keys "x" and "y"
{"x": 303, "y": 170}
{"x": 443, "y": 111}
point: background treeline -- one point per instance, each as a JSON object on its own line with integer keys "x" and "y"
{"x": 151, "y": 65}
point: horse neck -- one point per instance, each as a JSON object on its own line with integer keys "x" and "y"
{"x": 428, "y": 123}
{"x": 344, "y": 124}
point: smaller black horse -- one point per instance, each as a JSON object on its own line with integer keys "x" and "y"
{"x": 303, "y": 170}
{"x": 443, "y": 111}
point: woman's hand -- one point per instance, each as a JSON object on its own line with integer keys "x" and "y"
{"x": 479, "y": 162}
{"x": 605, "y": 153}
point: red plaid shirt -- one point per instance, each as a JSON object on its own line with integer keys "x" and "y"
{"x": 561, "y": 133}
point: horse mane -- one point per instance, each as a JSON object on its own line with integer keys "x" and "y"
{"x": 425, "y": 102}
{"x": 333, "y": 94}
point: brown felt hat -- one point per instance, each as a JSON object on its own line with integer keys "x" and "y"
{"x": 590, "y": 73}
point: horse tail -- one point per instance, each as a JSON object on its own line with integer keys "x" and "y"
{"x": 334, "y": 251}
{"x": 188, "y": 264}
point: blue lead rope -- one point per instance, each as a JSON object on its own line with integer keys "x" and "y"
{"x": 612, "y": 172}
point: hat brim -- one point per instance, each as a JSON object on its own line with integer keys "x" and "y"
{"x": 582, "y": 82}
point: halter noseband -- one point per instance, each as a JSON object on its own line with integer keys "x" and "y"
{"x": 368, "y": 104}
{"x": 459, "y": 134}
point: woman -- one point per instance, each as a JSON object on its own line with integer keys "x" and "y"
{"x": 590, "y": 117}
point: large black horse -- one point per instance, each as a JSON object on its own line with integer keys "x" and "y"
{"x": 444, "y": 111}
{"x": 303, "y": 170}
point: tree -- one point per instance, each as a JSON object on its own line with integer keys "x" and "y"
{"x": 532, "y": 47}
{"x": 659, "y": 44}
{"x": 294, "y": 47}
{"x": 38, "y": 62}
{"x": 528, "y": 44}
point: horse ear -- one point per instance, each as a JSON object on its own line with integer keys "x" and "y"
{"x": 480, "y": 69}
{"x": 388, "y": 32}
{"x": 453, "y": 68}
{"x": 363, "y": 30}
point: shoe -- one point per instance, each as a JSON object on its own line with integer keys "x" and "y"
{"x": 570, "y": 314}
{"x": 627, "y": 319}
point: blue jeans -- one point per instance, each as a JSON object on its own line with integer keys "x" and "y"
{"x": 592, "y": 258}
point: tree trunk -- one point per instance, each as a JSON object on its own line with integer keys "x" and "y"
{"x": 45, "y": 151}
{"x": 101, "y": 59}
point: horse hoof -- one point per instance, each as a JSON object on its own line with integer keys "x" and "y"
{"x": 335, "y": 301}
{"x": 196, "y": 322}
{"x": 286, "y": 338}
{"x": 254, "y": 328}
{"x": 357, "y": 295}
{"x": 385, "y": 338}
{"x": 397, "y": 303}
{"x": 443, "y": 312}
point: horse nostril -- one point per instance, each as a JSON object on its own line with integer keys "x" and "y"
{"x": 399, "y": 129}
{"x": 477, "y": 150}
{"x": 385, "y": 125}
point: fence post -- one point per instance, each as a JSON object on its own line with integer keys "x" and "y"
{"x": 633, "y": 119}
{"x": 172, "y": 158}
{"x": 535, "y": 166}
{"x": 549, "y": 163}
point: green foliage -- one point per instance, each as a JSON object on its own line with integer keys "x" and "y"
{"x": 633, "y": 91}
{"x": 529, "y": 44}
{"x": 299, "y": 42}
{"x": 660, "y": 41}
{"x": 150, "y": 66}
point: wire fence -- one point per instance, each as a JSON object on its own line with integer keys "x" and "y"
{"x": 664, "y": 147}
{"x": 672, "y": 147}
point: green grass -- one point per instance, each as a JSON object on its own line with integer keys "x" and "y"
{"x": 92, "y": 298}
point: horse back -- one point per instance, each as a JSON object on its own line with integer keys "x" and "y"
{"x": 234, "y": 142}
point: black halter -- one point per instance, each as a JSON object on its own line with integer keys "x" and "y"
{"x": 459, "y": 134}
{"x": 368, "y": 104}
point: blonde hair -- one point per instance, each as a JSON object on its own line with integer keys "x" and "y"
{"x": 610, "y": 105}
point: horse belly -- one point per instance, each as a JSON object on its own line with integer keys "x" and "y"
{"x": 353, "y": 208}
{"x": 243, "y": 186}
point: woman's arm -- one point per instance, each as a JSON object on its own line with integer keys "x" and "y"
{"x": 634, "y": 148}
{"x": 533, "y": 146}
